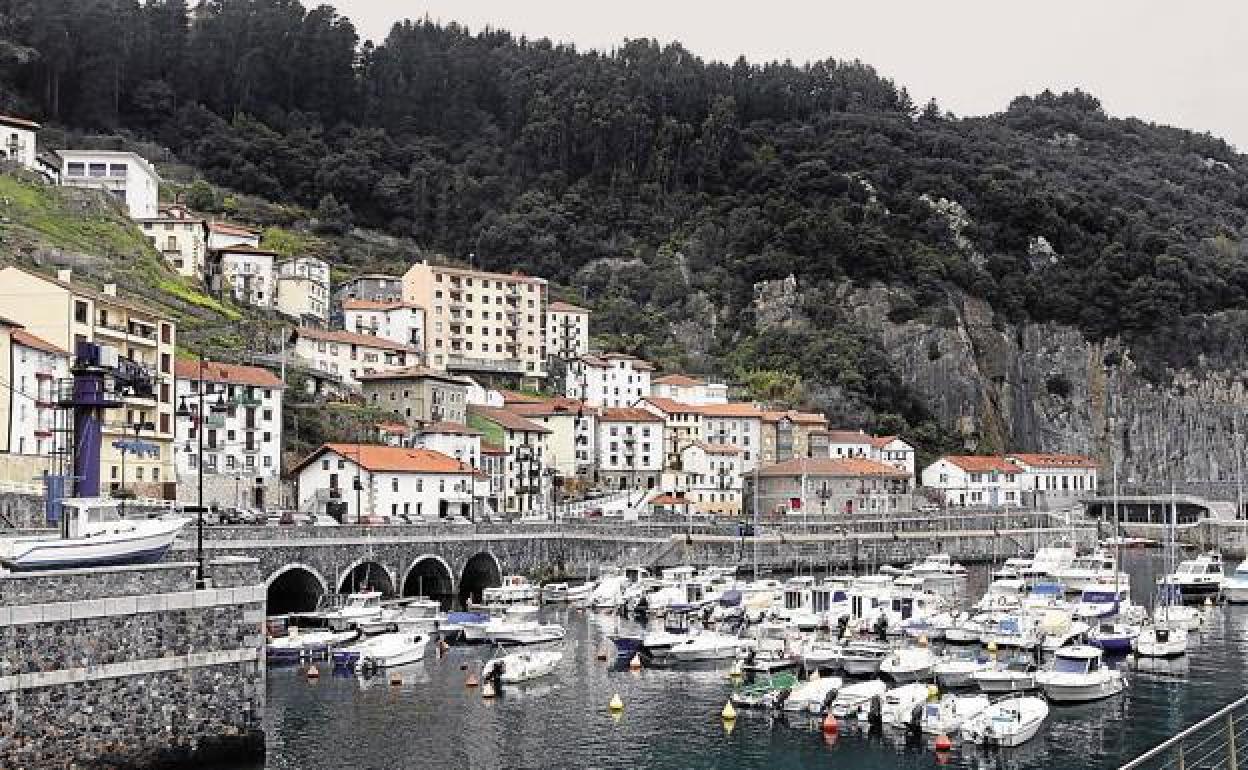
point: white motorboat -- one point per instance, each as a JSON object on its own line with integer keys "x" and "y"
{"x": 813, "y": 695}
{"x": 1196, "y": 580}
{"x": 903, "y": 706}
{"x": 947, "y": 716}
{"x": 778, "y": 648}
{"x": 1014, "y": 567}
{"x": 93, "y": 534}
{"x": 958, "y": 671}
{"x": 864, "y": 658}
{"x": 1011, "y": 722}
{"x": 1020, "y": 631}
{"x": 931, "y": 627}
{"x": 1114, "y": 638}
{"x": 821, "y": 655}
{"x": 1095, "y": 571}
{"x": 354, "y": 608}
{"x": 854, "y": 698}
{"x": 709, "y": 646}
{"x": 1160, "y": 641}
{"x": 1017, "y": 675}
{"x": 908, "y": 664}
{"x": 523, "y": 632}
{"x": 1235, "y": 587}
{"x": 967, "y": 630}
{"x": 520, "y": 666}
{"x": 1050, "y": 561}
{"x": 303, "y": 645}
{"x": 609, "y": 593}
{"x": 564, "y": 593}
{"x": 1097, "y": 603}
{"x": 939, "y": 566}
{"x": 393, "y": 649}
{"x": 516, "y": 589}
{"x": 1079, "y": 674}
{"x": 1003, "y": 595}
{"x": 1058, "y": 629}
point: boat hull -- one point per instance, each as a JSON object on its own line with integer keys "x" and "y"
{"x": 1082, "y": 693}
{"x": 34, "y": 555}
{"x": 1003, "y": 684}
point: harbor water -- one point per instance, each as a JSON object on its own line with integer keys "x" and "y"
{"x": 671, "y": 718}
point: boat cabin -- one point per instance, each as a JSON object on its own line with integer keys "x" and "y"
{"x": 87, "y": 516}
{"x": 1077, "y": 660}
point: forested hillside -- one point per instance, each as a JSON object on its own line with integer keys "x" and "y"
{"x": 661, "y": 187}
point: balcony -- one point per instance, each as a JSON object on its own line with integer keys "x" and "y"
{"x": 470, "y": 364}
{"x": 215, "y": 421}
{"x": 237, "y": 401}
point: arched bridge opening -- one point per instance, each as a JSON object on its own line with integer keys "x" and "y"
{"x": 367, "y": 576}
{"x": 482, "y": 571}
{"x": 295, "y": 589}
{"x": 431, "y": 577}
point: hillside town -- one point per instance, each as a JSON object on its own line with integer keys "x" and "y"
{"x": 496, "y": 402}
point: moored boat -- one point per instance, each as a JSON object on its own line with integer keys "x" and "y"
{"x": 1011, "y": 722}
{"x": 93, "y": 534}
{"x": 1080, "y": 674}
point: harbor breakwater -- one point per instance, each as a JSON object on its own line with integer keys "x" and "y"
{"x": 132, "y": 667}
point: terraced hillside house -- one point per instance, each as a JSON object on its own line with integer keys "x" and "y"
{"x": 630, "y": 449}
{"x": 1051, "y": 480}
{"x": 34, "y": 369}
{"x": 126, "y": 176}
{"x": 786, "y": 435}
{"x": 373, "y": 483}
{"x": 690, "y": 390}
{"x": 613, "y": 380}
{"x": 374, "y": 287}
{"x": 302, "y": 290}
{"x": 245, "y": 274}
{"x": 736, "y": 424}
{"x": 397, "y": 321}
{"x": 242, "y": 422}
{"x": 417, "y": 395}
{"x": 62, "y": 311}
{"x": 526, "y": 486}
{"x": 829, "y": 487}
{"x": 481, "y": 324}
{"x": 17, "y": 141}
{"x": 223, "y": 235}
{"x": 975, "y": 481}
{"x": 181, "y": 237}
{"x": 348, "y": 356}
{"x": 567, "y": 330}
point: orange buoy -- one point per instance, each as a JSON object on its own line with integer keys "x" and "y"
{"x": 943, "y": 743}
{"x": 635, "y": 663}
{"x": 471, "y": 681}
{"x": 829, "y": 725}
{"x": 314, "y": 672}
{"x": 396, "y": 680}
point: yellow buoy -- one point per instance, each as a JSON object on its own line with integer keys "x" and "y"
{"x": 729, "y": 713}
{"x": 635, "y": 663}
{"x": 314, "y": 672}
{"x": 616, "y": 704}
{"x": 992, "y": 647}
{"x": 933, "y": 692}
{"x": 728, "y": 725}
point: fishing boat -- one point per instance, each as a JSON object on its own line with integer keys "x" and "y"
{"x": 1160, "y": 641}
{"x": 903, "y": 706}
{"x": 1011, "y": 722}
{"x": 392, "y": 649}
{"x": 864, "y": 658}
{"x": 93, "y": 534}
{"x": 520, "y": 666}
{"x": 958, "y": 671}
{"x": 814, "y": 695}
{"x": 853, "y": 698}
{"x": 1017, "y": 675}
{"x": 507, "y": 632}
{"x": 908, "y": 664}
{"x": 1079, "y": 674}
{"x": 1196, "y": 579}
{"x": 1235, "y": 587}
{"x": 946, "y": 716}
{"x": 763, "y": 692}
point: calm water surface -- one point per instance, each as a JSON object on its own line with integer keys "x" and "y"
{"x": 671, "y": 718}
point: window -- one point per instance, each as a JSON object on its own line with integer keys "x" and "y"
{"x": 117, "y": 169}
{"x": 75, "y": 169}
{"x": 394, "y": 484}
{"x": 325, "y": 465}
{"x": 80, "y": 311}
{"x": 97, "y": 169}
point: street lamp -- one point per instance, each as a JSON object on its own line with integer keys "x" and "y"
{"x": 197, "y": 416}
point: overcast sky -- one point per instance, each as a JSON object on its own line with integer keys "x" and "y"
{"x": 1184, "y": 64}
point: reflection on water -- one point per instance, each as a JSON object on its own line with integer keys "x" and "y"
{"x": 671, "y": 718}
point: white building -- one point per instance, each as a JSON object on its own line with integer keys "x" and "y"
{"x": 892, "y": 450}
{"x": 526, "y": 485}
{"x": 735, "y": 424}
{"x": 1053, "y": 480}
{"x": 452, "y": 439}
{"x": 710, "y": 476}
{"x": 348, "y": 355}
{"x": 975, "y": 481}
{"x": 682, "y": 425}
{"x": 690, "y": 390}
{"x": 567, "y": 330}
{"x": 125, "y": 175}
{"x": 35, "y": 369}
{"x": 242, "y": 421}
{"x": 400, "y": 322}
{"x": 17, "y": 141}
{"x": 394, "y": 483}
{"x": 222, "y": 235}
{"x": 564, "y": 418}
{"x": 480, "y": 394}
{"x": 181, "y": 238}
{"x": 630, "y": 448}
{"x": 611, "y": 380}
{"x": 246, "y": 274}
{"x": 303, "y": 289}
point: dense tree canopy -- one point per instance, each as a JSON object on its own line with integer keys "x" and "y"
{"x": 650, "y": 178}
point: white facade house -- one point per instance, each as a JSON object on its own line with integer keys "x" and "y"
{"x": 346, "y": 355}
{"x": 246, "y": 274}
{"x": 563, "y": 417}
{"x": 567, "y": 330}
{"x": 395, "y": 484}
{"x": 451, "y": 439}
{"x": 1056, "y": 479}
{"x": 242, "y": 419}
{"x": 630, "y": 448}
{"x": 690, "y": 390}
{"x": 892, "y": 450}
{"x": 975, "y": 481}
{"x": 125, "y": 175}
{"x": 302, "y": 290}
{"x": 222, "y": 235}
{"x": 400, "y": 322}
{"x": 735, "y": 424}
{"x": 710, "y": 475}
{"x": 17, "y": 141}
{"x": 181, "y": 238}
{"x": 526, "y": 485}
{"x": 481, "y": 395}
{"x": 36, "y": 367}
{"x": 612, "y": 380}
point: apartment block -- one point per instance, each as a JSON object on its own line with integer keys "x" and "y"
{"x": 34, "y": 369}
{"x": 611, "y": 380}
{"x": 242, "y": 419}
{"x": 567, "y": 330}
{"x": 302, "y": 290}
{"x": 245, "y": 274}
{"x": 347, "y": 356}
{"x": 417, "y": 395}
{"x": 398, "y": 321}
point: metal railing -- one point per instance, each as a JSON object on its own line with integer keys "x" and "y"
{"x": 1212, "y": 743}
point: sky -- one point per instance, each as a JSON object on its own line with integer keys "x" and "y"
{"x": 1183, "y": 64}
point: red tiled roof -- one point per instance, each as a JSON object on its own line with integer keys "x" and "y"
{"x": 566, "y": 307}
{"x": 371, "y": 304}
{"x": 229, "y": 229}
{"x": 397, "y": 428}
{"x": 1046, "y": 460}
{"x": 603, "y": 360}
{"x": 9, "y": 120}
{"x": 982, "y": 463}
{"x": 879, "y": 442}
{"x": 236, "y": 374}
{"x": 506, "y": 419}
{"x": 627, "y": 414}
{"x": 679, "y": 380}
{"x": 24, "y": 337}
{"x": 672, "y": 406}
{"x": 492, "y": 449}
{"x": 363, "y": 340}
{"x": 853, "y": 467}
{"x": 733, "y": 409}
{"x": 391, "y": 459}
{"x": 801, "y": 418}
{"x": 549, "y": 408}
{"x": 844, "y": 436}
{"x": 516, "y": 397}
{"x": 448, "y": 428}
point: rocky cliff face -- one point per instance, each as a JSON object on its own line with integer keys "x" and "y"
{"x": 1044, "y": 387}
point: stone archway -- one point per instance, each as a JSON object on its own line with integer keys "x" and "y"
{"x": 430, "y": 575}
{"x": 481, "y": 571}
{"x": 366, "y": 575}
{"x": 295, "y": 588}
